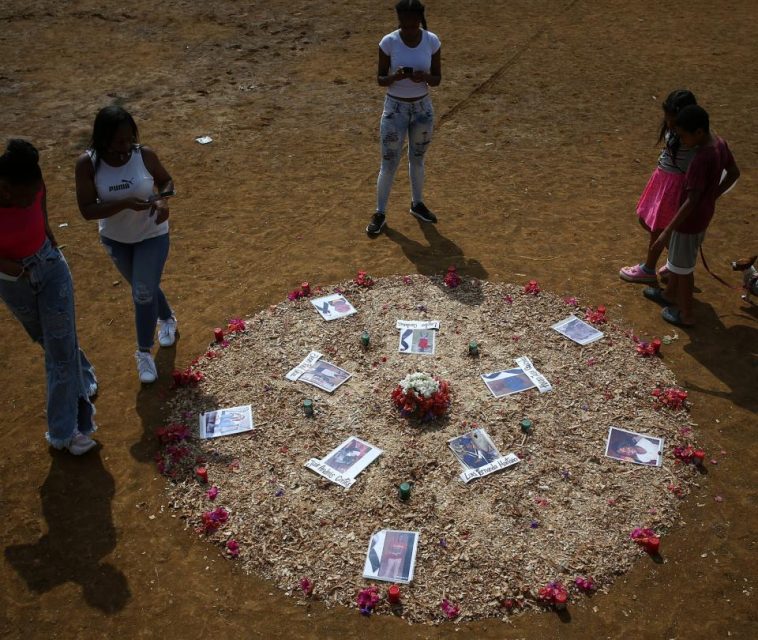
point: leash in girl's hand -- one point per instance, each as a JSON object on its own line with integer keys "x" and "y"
{"x": 721, "y": 280}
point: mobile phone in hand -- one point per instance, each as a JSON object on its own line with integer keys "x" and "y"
{"x": 159, "y": 196}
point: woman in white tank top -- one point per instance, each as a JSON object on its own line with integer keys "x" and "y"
{"x": 119, "y": 183}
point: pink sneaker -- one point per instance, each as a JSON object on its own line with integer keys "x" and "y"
{"x": 637, "y": 274}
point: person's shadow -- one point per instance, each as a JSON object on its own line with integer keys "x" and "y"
{"x": 728, "y": 353}
{"x": 435, "y": 258}
{"x": 151, "y": 405}
{"x": 76, "y": 503}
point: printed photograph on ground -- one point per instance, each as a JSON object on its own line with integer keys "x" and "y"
{"x": 507, "y": 382}
{"x": 578, "y": 330}
{"x": 628, "y": 446}
{"x": 391, "y": 556}
{"x": 333, "y": 307}
{"x": 225, "y": 422}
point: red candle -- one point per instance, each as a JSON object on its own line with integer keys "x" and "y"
{"x": 560, "y": 599}
{"x": 202, "y": 474}
{"x": 698, "y": 456}
{"x": 651, "y": 544}
{"x": 393, "y": 594}
{"x": 305, "y": 288}
{"x": 218, "y": 333}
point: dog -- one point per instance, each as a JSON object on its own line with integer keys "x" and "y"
{"x": 749, "y": 277}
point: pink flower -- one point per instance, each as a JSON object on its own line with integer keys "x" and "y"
{"x": 367, "y": 599}
{"x": 449, "y": 609}
{"x": 307, "y": 585}
{"x": 508, "y": 299}
{"x": 236, "y": 325}
{"x": 407, "y": 280}
{"x": 451, "y": 279}
{"x": 364, "y": 280}
{"x": 585, "y": 584}
{"x": 571, "y": 301}
{"x": 212, "y": 493}
{"x": 233, "y": 548}
{"x": 532, "y": 287}
{"x": 212, "y": 520}
{"x": 596, "y": 316}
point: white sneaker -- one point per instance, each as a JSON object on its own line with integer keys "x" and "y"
{"x": 167, "y": 331}
{"x": 146, "y": 367}
{"x": 80, "y": 444}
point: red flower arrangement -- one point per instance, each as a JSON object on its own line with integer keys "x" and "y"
{"x": 450, "y": 610}
{"x": 532, "y": 287}
{"x": 555, "y": 594}
{"x": 187, "y": 378}
{"x": 421, "y": 396}
{"x": 596, "y": 316}
{"x": 212, "y": 520}
{"x": 364, "y": 280}
{"x": 689, "y": 455}
{"x": 671, "y": 398}
{"x": 172, "y": 433}
{"x": 236, "y": 325}
{"x": 647, "y": 539}
{"x": 647, "y": 349}
{"x": 451, "y": 279}
{"x": 173, "y": 459}
{"x": 303, "y": 291}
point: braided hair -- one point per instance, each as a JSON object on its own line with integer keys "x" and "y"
{"x": 672, "y": 105}
{"x": 413, "y": 7}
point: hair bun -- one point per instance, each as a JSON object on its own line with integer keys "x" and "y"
{"x": 21, "y": 151}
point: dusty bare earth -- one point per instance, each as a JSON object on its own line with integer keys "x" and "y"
{"x": 546, "y": 121}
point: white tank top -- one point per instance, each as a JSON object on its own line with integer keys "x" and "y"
{"x": 131, "y": 180}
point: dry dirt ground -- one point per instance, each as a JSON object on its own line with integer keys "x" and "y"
{"x": 546, "y": 126}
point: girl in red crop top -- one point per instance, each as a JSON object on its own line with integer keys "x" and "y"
{"x": 36, "y": 286}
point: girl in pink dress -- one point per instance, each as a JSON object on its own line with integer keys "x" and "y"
{"x": 662, "y": 196}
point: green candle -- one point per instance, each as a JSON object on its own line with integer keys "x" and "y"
{"x": 473, "y": 348}
{"x": 404, "y": 490}
{"x": 365, "y": 338}
{"x": 308, "y": 407}
{"x": 526, "y": 425}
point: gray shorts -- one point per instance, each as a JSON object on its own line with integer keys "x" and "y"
{"x": 683, "y": 248}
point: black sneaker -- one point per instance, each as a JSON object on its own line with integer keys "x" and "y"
{"x": 420, "y": 211}
{"x": 377, "y": 223}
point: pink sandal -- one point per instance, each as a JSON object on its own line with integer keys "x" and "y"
{"x": 663, "y": 271}
{"x": 637, "y": 274}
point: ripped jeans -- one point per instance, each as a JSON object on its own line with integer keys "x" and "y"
{"x": 141, "y": 264}
{"x": 43, "y": 302}
{"x": 416, "y": 119}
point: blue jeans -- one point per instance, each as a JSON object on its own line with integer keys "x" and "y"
{"x": 416, "y": 120}
{"x": 141, "y": 264}
{"x": 43, "y": 302}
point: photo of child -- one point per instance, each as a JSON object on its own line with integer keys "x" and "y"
{"x": 628, "y": 446}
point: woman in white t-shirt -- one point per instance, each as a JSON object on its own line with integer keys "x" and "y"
{"x": 409, "y": 63}
{"x": 117, "y": 184}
